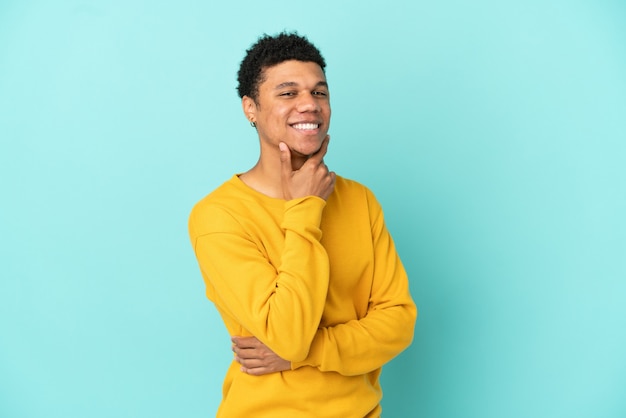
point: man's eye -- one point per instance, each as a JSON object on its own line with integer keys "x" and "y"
{"x": 320, "y": 93}
{"x": 287, "y": 93}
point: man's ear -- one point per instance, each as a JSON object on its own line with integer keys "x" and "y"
{"x": 249, "y": 108}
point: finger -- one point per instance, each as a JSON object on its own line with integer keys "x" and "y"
{"x": 247, "y": 353}
{"x": 245, "y": 342}
{"x": 285, "y": 159}
{"x": 250, "y": 363}
{"x": 256, "y": 371}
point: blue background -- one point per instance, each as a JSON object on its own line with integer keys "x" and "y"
{"x": 492, "y": 132}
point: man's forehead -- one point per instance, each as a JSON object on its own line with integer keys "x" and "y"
{"x": 294, "y": 73}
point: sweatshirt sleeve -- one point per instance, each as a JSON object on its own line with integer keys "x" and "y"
{"x": 280, "y": 305}
{"x": 362, "y": 345}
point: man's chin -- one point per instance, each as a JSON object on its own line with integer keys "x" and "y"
{"x": 308, "y": 149}
{"x": 303, "y": 153}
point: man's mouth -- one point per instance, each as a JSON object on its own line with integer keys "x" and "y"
{"x": 306, "y": 126}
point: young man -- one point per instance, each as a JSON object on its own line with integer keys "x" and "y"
{"x": 297, "y": 260}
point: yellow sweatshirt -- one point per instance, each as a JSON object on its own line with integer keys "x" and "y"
{"x": 319, "y": 282}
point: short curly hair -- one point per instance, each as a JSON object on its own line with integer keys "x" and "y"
{"x": 269, "y": 51}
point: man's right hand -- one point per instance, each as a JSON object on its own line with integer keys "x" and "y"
{"x": 256, "y": 358}
{"x": 312, "y": 179}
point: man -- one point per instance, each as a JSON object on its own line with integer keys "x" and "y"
{"x": 297, "y": 260}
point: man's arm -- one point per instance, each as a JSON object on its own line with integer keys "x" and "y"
{"x": 360, "y": 346}
{"x": 281, "y": 305}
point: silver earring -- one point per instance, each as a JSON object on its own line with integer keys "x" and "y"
{"x": 253, "y": 124}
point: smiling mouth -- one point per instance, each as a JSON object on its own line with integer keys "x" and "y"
{"x": 306, "y": 126}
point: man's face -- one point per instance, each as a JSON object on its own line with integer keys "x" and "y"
{"x": 292, "y": 106}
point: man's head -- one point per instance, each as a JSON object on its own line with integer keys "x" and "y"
{"x": 269, "y": 51}
{"x": 284, "y": 94}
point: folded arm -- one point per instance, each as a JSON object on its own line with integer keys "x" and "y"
{"x": 279, "y": 305}
{"x": 362, "y": 345}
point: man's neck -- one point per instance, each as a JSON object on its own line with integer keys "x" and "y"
{"x": 264, "y": 181}
{"x": 266, "y": 175}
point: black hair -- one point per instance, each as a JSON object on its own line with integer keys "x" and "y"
{"x": 269, "y": 51}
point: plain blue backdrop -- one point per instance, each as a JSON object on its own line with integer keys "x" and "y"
{"x": 493, "y": 133}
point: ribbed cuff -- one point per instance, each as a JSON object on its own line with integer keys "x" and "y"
{"x": 303, "y": 213}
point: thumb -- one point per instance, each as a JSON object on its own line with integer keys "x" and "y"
{"x": 285, "y": 158}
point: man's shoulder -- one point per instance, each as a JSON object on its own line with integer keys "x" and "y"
{"x": 215, "y": 210}
{"x": 226, "y": 191}
{"x": 354, "y": 196}
{"x": 346, "y": 186}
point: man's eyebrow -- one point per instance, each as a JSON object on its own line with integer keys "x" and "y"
{"x": 294, "y": 84}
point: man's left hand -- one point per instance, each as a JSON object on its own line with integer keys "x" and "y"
{"x": 256, "y": 358}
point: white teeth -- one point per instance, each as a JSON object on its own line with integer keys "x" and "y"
{"x": 306, "y": 125}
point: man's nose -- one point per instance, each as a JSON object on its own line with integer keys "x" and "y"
{"x": 307, "y": 103}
